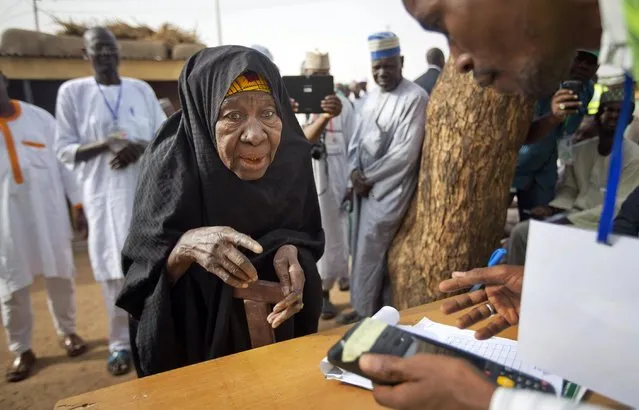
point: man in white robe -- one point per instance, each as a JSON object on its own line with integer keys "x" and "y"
{"x": 35, "y": 234}
{"x": 332, "y": 130}
{"x": 359, "y": 93}
{"x": 103, "y": 126}
{"x": 383, "y": 156}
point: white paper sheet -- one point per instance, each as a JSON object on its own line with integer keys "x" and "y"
{"x": 498, "y": 349}
{"x": 579, "y": 309}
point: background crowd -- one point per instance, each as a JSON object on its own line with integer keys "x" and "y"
{"x": 181, "y": 206}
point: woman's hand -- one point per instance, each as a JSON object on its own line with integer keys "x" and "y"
{"x": 215, "y": 249}
{"x": 291, "y": 275}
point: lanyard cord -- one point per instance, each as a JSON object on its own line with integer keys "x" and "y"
{"x": 115, "y": 112}
{"x": 616, "y": 161}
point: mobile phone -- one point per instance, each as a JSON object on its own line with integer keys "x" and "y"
{"x": 374, "y": 336}
{"x": 309, "y": 92}
{"x": 575, "y": 86}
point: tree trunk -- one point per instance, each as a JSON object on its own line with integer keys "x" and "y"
{"x": 458, "y": 212}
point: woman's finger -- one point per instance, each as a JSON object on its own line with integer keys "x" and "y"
{"x": 244, "y": 241}
{"x": 281, "y": 264}
{"x": 234, "y": 269}
{"x": 245, "y": 268}
{"x": 296, "y": 274}
{"x": 278, "y": 319}
{"x": 226, "y": 277}
{"x": 290, "y": 300}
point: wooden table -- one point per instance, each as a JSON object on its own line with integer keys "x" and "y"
{"x": 281, "y": 376}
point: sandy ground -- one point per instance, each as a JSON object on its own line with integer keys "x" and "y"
{"x": 56, "y": 376}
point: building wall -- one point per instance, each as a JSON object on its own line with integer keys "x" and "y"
{"x": 43, "y": 93}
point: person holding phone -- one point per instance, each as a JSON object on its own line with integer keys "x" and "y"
{"x": 330, "y": 132}
{"x": 557, "y": 117}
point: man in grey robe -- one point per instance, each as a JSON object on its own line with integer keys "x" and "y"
{"x": 384, "y": 163}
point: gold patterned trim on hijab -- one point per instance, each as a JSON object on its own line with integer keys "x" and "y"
{"x": 249, "y": 81}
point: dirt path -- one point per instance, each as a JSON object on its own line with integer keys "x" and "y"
{"x": 57, "y": 376}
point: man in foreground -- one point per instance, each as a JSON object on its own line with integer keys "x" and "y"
{"x": 436, "y": 61}
{"x": 104, "y": 123}
{"x": 489, "y": 41}
{"x": 383, "y": 156}
{"x": 331, "y": 132}
{"x": 35, "y": 235}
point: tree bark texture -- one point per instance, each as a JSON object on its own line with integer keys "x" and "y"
{"x": 458, "y": 212}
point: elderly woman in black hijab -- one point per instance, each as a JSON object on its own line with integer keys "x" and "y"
{"x": 226, "y": 196}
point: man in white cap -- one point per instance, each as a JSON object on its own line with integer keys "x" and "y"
{"x": 104, "y": 123}
{"x": 331, "y": 132}
{"x": 383, "y": 156}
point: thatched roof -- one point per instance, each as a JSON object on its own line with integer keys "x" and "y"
{"x": 168, "y": 34}
{"x": 136, "y": 42}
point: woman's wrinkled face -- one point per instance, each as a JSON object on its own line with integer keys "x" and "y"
{"x": 248, "y": 132}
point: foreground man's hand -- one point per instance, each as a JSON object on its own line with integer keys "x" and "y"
{"x": 502, "y": 290}
{"x": 427, "y": 382}
{"x": 291, "y": 276}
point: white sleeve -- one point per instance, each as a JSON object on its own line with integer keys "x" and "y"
{"x": 72, "y": 187}
{"x": 67, "y": 139}
{"x": 68, "y": 178}
{"x": 508, "y": 399}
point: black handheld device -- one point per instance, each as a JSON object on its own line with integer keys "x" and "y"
{"x": 373, "y": 336}
{"x": 309, "y": 92}
{"x": 573, "y": 85}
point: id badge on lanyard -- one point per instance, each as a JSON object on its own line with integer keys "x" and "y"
{"x": 564, "y": 149}
{"x": 565, "y": 145}
{"x": 114, "y": 131}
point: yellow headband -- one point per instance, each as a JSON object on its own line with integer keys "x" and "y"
{"x": 249, "y": 81}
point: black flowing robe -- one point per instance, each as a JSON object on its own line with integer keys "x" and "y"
{"x": 184, "y": 185}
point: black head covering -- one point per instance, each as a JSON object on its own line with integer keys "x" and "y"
{"x": 184, "y": 185}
